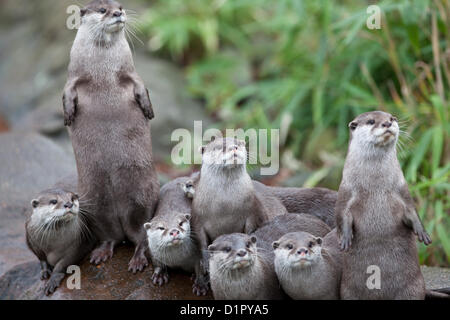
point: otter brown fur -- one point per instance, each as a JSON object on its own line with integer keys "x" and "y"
{"x": 307, "y": 266}
{"x": 57, "y": 231}
{"x": 225, "y": 200}
{"x": 107, "y": 109}
{"x": 376, "y": 218}
{"x": 241, "y": 266}
{"x": 170, "y": 240}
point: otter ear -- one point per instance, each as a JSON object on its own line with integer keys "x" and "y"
{"x": 147, "y": 225}
{"x": 83, "y": 12}
{"x": 187, "y": 216}
{"x": 352, "y": 125}
{"x": 212, "y": 248}
{"x": 319, "y": 240}
{"x": 201, "y": 149}
{"x": 34, "y": 203}
{"x": 253, "y": 239}
{"x": 275, "y": 244}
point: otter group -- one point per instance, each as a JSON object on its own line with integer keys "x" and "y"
{"x": 239, "y": 237}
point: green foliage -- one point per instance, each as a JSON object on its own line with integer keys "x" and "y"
{"x": 256, "y": 63}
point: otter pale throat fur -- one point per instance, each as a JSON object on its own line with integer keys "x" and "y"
{"x": 107, "y": 109}
{"x": 225, "y": 200}
{"x": 170, "y": 241}
{"x": 57, "y": 232}
{"x": 375, "y": 215}
{"x": 308, "y": 267}
{"x": 241, "y": 266}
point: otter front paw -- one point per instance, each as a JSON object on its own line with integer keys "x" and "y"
{"x": 70, "y": 105}
{"x": 53, "y": 283}
{"x": 346, "y": 241}
{"x": 143, "y": 99}
{"x": 189, "y": 189}
{"x": 137, "y": 263}
{"x": 45, "y": 274}
{"x": 423, "y": 236}
{"x": 160, "y": 277}
{"x": 200, "y": 288}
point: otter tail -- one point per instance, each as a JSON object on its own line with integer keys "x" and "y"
{"x": 443, "y": 293}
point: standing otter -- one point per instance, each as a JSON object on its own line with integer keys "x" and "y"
{"x": 57, "y": 232}
{"x": 241, "y": 266}
{"x": 169, "y": 235}
{"x": 225, "y": 200}
{"x": 307, "y": 266}
{"x": 107, "y": 109}
{"x": 375, "y": 215}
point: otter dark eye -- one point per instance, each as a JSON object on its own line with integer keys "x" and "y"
{"x": 161, "y": 228}
{"x": 181, "y": 223}
{"x": 248, "y": 244}
{"x": 310, "y": 244}
{"x": 53, "y": 201}
{"x": 393, "y": 119}
{"x": 102, "y": 10}
{"x": 227, "y": 249}
{"x": 289, "y": 246}
{"x": 74, "y": 197}
{"x": 370, "y": 121}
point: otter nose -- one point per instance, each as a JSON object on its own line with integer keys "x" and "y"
{"x": 68, "y": 205}
{"x": 387, "y": 124}
{"x": 117, "y": 13}
{"x": 242, "y": 253}
{"x": 174, "y": 232}
{"x": 302, "y": 251}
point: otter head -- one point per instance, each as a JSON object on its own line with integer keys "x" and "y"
{"x": 103, "y": 17}
{"x": 234, "y": 251}
{"x": 54, "y": 205}
{"x": 374, "y": 129}
{"x": 224, "y": 153}
{"x": 163, "y": 234}
{"x": 297, "y": 250}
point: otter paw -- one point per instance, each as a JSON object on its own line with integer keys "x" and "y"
{"x": 137, "y": 263}
{"x": 424, "y": 237}
{"x": 68, "y": 120}
{"x": 160, "y": 278}
{"x": 45, "y": 274}
{"x": 200, "y": 289}
{"x": 189, "y": 189}
{"x": 101, "y": 254}
{"x": 346, "y": 242}
{"x": 53, "y": 283}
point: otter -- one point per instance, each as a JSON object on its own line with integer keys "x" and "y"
{"x": 107, "y": 110}
{"x": 57, "y": 232}
{"x": 308, "y": 267}
{"x": 319, "y": 202}
{"x": 375, "y": 215}
{"x": 170, "y": 241}
{"x": 225, "y": 200}
{"x": 241, "y": 266}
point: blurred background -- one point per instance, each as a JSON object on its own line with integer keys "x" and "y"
{"x": 306, "y": 67}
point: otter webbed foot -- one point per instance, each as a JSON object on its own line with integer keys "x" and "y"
{"x": 200, "y": 288}
{"x": 160, "y": 277}
{"x": 102, "y": 253}
{"x": 45, "y": 274}
{"x": 345, "y": 241}
{"x": 53, "y": 283}
{"x": 137, "y": 263}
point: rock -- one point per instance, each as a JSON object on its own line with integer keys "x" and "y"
{"x": 108, "y": 281}
{"x": 29, "y": 164}
{"x": 435, "y": 277}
